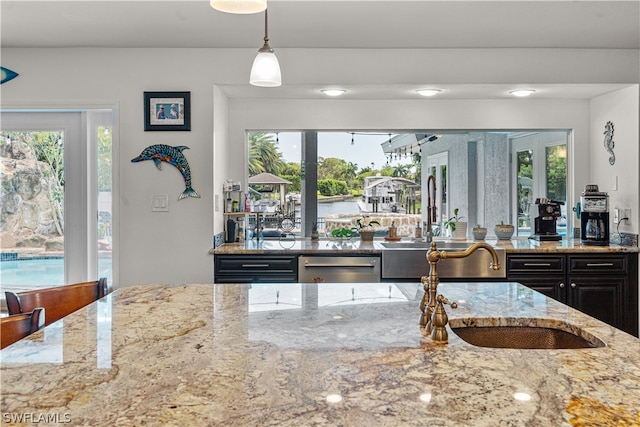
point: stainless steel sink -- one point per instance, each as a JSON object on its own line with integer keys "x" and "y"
{"x": 408, "y": 260}
{"x": 524, "y": 334}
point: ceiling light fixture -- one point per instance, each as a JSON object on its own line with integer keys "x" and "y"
{"x": 522, "y": 92}
{"x": 266, "y": 68}
{"x": 428, "y": 92}
{"x": 239, "y": 6}
{"x": 333, "y": 92}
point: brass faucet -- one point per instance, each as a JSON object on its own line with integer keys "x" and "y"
{"x": 432, "y": 216}
{"x": 430, "y": 283}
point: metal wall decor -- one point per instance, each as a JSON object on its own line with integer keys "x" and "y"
{"x": 608, "y": 142}
{"x": 173, "y": 155}
{"x": 6, "y": 75}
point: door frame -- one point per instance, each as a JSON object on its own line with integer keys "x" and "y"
{"x": 81, "y": 215}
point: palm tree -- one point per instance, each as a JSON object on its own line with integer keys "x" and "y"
{"x": 401, "y": 171}
{"x": 263, "y": 154}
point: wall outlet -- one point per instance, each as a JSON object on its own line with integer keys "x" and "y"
{"x": 626, "y": 213}
{"x": 160, "y": 203}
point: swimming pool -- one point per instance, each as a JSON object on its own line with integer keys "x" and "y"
{"x": 43, "y": 271}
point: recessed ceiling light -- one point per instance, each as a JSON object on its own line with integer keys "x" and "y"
{"x": 333, "y": 92}
{"x": 522, "y": 92}
{"x": 428, "y": 92}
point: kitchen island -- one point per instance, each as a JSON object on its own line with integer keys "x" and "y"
{"x": 313, "y": 354}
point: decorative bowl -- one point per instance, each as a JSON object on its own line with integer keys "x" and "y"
{"x": 504, "y": 231}
{"x": 479, "y": 233}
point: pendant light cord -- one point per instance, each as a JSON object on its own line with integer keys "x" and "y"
{"x": 266, "y": 47}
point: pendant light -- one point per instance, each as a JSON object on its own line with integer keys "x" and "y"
{"x": 239, "y": 6}
{"x": 266, "y": 68}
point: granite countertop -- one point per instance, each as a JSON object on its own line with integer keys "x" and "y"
{"x": 355, "y": 246}
{"x": 309, "y": 354}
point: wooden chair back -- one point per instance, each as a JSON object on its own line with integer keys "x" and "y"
{"x": 58, "y": 301}
{"x": 18, "y": 326}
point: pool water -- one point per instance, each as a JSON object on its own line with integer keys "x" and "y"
{"x": 43, "y": 271}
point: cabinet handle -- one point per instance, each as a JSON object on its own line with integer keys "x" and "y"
{"x": 255, "y": 265}
{"x": 600, "y": 264}
{"x": 537, "y": 264}
{"x": 308, "y": 265}
{"x": 573, "y": 285}
{"x": 562, "y": 285}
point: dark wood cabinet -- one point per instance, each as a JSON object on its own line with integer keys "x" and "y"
{"x": 252, "y": 268}
{"x": 604, "y": 286}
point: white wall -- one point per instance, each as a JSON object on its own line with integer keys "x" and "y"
{"x": 623, "y": 109}
{"x": 621, "y": 179}
{"x": 173, "y": 247}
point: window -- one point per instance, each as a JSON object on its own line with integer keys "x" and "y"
{"x": 344, "y": 173}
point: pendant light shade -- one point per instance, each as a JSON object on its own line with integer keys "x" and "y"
{"x": 266, "y": 68}
{"x": 239, "y": 6}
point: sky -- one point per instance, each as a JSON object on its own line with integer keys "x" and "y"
{"x": 365, "y": 149}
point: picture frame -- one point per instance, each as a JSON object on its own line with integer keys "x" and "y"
{"x": 167, "y": 111}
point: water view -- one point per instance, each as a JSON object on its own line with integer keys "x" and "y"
{"x": 42, "y": 271}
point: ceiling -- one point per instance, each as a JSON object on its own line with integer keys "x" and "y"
{"x": 330, "y": 24}
{"x": 323, "y": 24}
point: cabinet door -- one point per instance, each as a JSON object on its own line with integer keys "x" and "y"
{"x": 600, "y": 297}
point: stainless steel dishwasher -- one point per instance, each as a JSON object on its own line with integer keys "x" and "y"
{"x": 338, "y": 269}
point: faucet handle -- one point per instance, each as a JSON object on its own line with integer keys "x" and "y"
{"x": 443, "y": 300}
{"x": 439, "y": 320}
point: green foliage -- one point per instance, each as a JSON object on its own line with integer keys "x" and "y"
{"x": 332, "y": 187}
{"x": 557, "y": 172}
{"x": 295, "y": 185}
{"x": 343, "y": 232}
{"x": 365, "y": 222}
{"x": 338, "y": 169}
{"x": 264, "y": 155}
{"x": 104, "y": 158}
{"x": 451, "y": 222}
{"x": 387, "y": 170}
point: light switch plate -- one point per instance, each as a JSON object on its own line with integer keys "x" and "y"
{"x": 160, "y": 203}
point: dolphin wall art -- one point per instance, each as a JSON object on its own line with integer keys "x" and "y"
{"x": 173, "y": 155}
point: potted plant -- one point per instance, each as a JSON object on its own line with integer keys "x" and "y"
{"x": 365, "y": 228}
{"x": 314, "y": 232}
{"x": 342, "y": 233}
{"x": 479, "y": 232}
{"x": 457, "y": 226}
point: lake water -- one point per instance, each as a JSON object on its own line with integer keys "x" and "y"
{"x": 338, "y": 207}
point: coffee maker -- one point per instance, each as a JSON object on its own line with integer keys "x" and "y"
{"x": 594, "y": 216}
{"x": 545, "y": 222}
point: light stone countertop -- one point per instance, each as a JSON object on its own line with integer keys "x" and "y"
{"x": 312, "y": 355}
{"x": 355, "y": 246}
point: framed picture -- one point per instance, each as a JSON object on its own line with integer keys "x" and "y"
{"x": 167, "y": 111}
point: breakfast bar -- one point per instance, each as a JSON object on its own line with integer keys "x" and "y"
{"x": 348, "y": 354}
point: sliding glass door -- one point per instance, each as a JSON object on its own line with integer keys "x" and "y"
{"x": 53, "y": 222}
